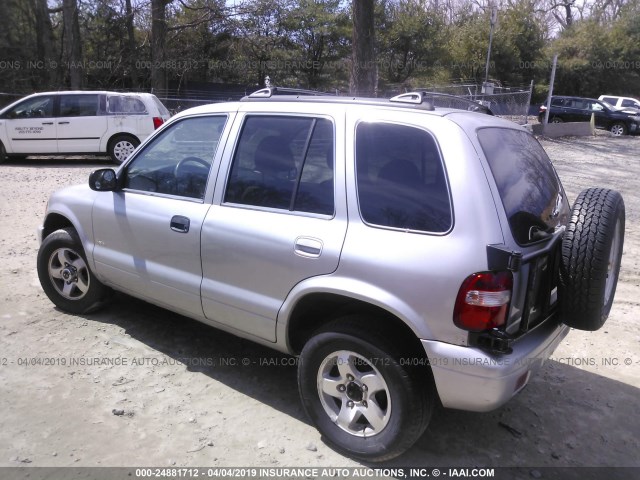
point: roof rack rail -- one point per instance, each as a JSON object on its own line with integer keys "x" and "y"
{"x": 416, "y": 98}
{"x": 268, "y": 92}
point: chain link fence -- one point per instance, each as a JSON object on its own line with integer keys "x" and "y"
{"x": 507, "y": 102}
{"x": 511, "y": 103}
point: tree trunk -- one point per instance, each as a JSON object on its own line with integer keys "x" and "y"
{"x": 72, "y": 43}
{"x": 45, "y": 44}
{"x": 158, "y": 38}
{"x": 131, "y": 46}
{"x": 363, "y": 66}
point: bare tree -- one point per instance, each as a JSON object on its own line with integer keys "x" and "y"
{"x": 158, "y": 44}
{"x": 72, "y": 43}
{"x": 130, "y": 47}
{"x": 363, "y": 67}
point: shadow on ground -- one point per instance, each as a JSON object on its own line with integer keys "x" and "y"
{"x": 565, "y": 417}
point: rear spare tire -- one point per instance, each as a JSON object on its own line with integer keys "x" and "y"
{"x": 591, "y": 254}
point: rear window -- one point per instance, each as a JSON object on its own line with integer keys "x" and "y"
{"x": 531, "y": 193}
{"x": 161, "y": 108}
{"x": 401, "y": 179}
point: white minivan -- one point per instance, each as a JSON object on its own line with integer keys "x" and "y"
{"x": 79, "y": 122}
{"x": 620, "y": 102}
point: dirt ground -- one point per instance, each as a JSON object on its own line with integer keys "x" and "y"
{"x": 177, "y": 393}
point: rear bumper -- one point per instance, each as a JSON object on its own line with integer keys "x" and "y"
{"x": 470, "y": 379}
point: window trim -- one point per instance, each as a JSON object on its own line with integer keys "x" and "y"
{"x": 234, "y": 148}
{"x": 442, "y": 163}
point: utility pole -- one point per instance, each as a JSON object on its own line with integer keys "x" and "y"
{"x": 487, "y": 88}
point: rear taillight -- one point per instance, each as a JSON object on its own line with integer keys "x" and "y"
{"x": 483, "y": 301}
{"x": 157, "y": 121}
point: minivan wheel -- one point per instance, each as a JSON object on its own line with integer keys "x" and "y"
{"x": 618, "y": 129}
{"x": 591, "y": 256}
{"x": 65, "y": 275}
{"x": 3, "y": 153}
{"x": 121, "y": 146}
{"x": 366, "y": 403}
{"x": 556, "y": 120}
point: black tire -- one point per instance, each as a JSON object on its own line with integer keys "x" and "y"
{"x": 591, "y": 255}
{"x": 65, "y": 275}
{"x": 3, "y": 153}
{"x": 121, "y": 147}
{"x": 618, "y": 129}
{"x": 405, "y": 402}
{"x": 556, "y": 120}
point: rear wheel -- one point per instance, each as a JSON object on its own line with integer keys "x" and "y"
{"x": 556, "y": 120}
{"x": 591, "y": 256}
{"x": 360, "y": 395}
{"x": 618, "y": 129}
{"x": 121, "y": 146}
{"x": 3, "y": 153}
{"x": 65, "y": 275}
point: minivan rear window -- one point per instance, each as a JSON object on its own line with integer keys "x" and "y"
{"x": 530, "y": 190}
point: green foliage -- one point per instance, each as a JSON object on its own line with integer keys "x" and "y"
{"x": 596, "y": 58}
{"x": 307, "y": 43}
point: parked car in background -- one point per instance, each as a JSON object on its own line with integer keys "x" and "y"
{"x": 79, "y": 122}
{"x": 578, "y": 109}
{"x": 620, "y": 102}
{"x": 411, "y": 255}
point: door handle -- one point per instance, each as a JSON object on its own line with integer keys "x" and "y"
{"x": 47, "y": 123}
{"x": 179, "y": 224}
{"x": 308, "y": 247}
{"x": 63, "y": 123}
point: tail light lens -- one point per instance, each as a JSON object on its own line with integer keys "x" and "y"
{"x": 483, "y": 301}
{"x": 157, "y": 121}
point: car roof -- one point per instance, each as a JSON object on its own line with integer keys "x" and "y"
{"x": 289, "y": 104}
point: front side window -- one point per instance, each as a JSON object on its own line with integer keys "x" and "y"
{"x": 78, "y": 105}
{"x": 401, "y": 179}
{"x": 38, "y": 107}
{"x": 178, "y": 160}
{"x": 528, "y": 185}
{"x": 284, "y": 163}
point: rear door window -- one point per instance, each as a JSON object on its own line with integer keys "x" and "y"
{"x": 401, "y": 179}
{"x": 285, "y": 163}
{"x": 82, "y": 105}
{"x": 530, "y": 190}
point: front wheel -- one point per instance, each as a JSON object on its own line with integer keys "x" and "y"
{"x": 121, "y": 146}
{"x": 618, "y": 129}
{"x": 3, "y": 153}
{"x": 364, "y": 401}
{"x": 65, "y": 275}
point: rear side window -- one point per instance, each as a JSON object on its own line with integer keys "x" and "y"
{"x": 557, "y": 102}
{"x": 285, "y": 163}
{"x": 527, "y": 182}
{"x": 125, "y": 105}
{"x": 401, "y": 179}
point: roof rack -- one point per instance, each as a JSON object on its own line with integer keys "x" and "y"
{"x": 268, "y": 92}
{"x": 422, "y": 100}
{"x": 416, "y": 98}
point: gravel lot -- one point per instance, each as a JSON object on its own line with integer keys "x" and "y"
{"x": 175, "y": 404}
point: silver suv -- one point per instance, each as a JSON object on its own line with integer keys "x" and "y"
{"x": 408, "y": 254}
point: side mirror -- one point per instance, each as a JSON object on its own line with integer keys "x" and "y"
{"x": 103, "y": 180}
